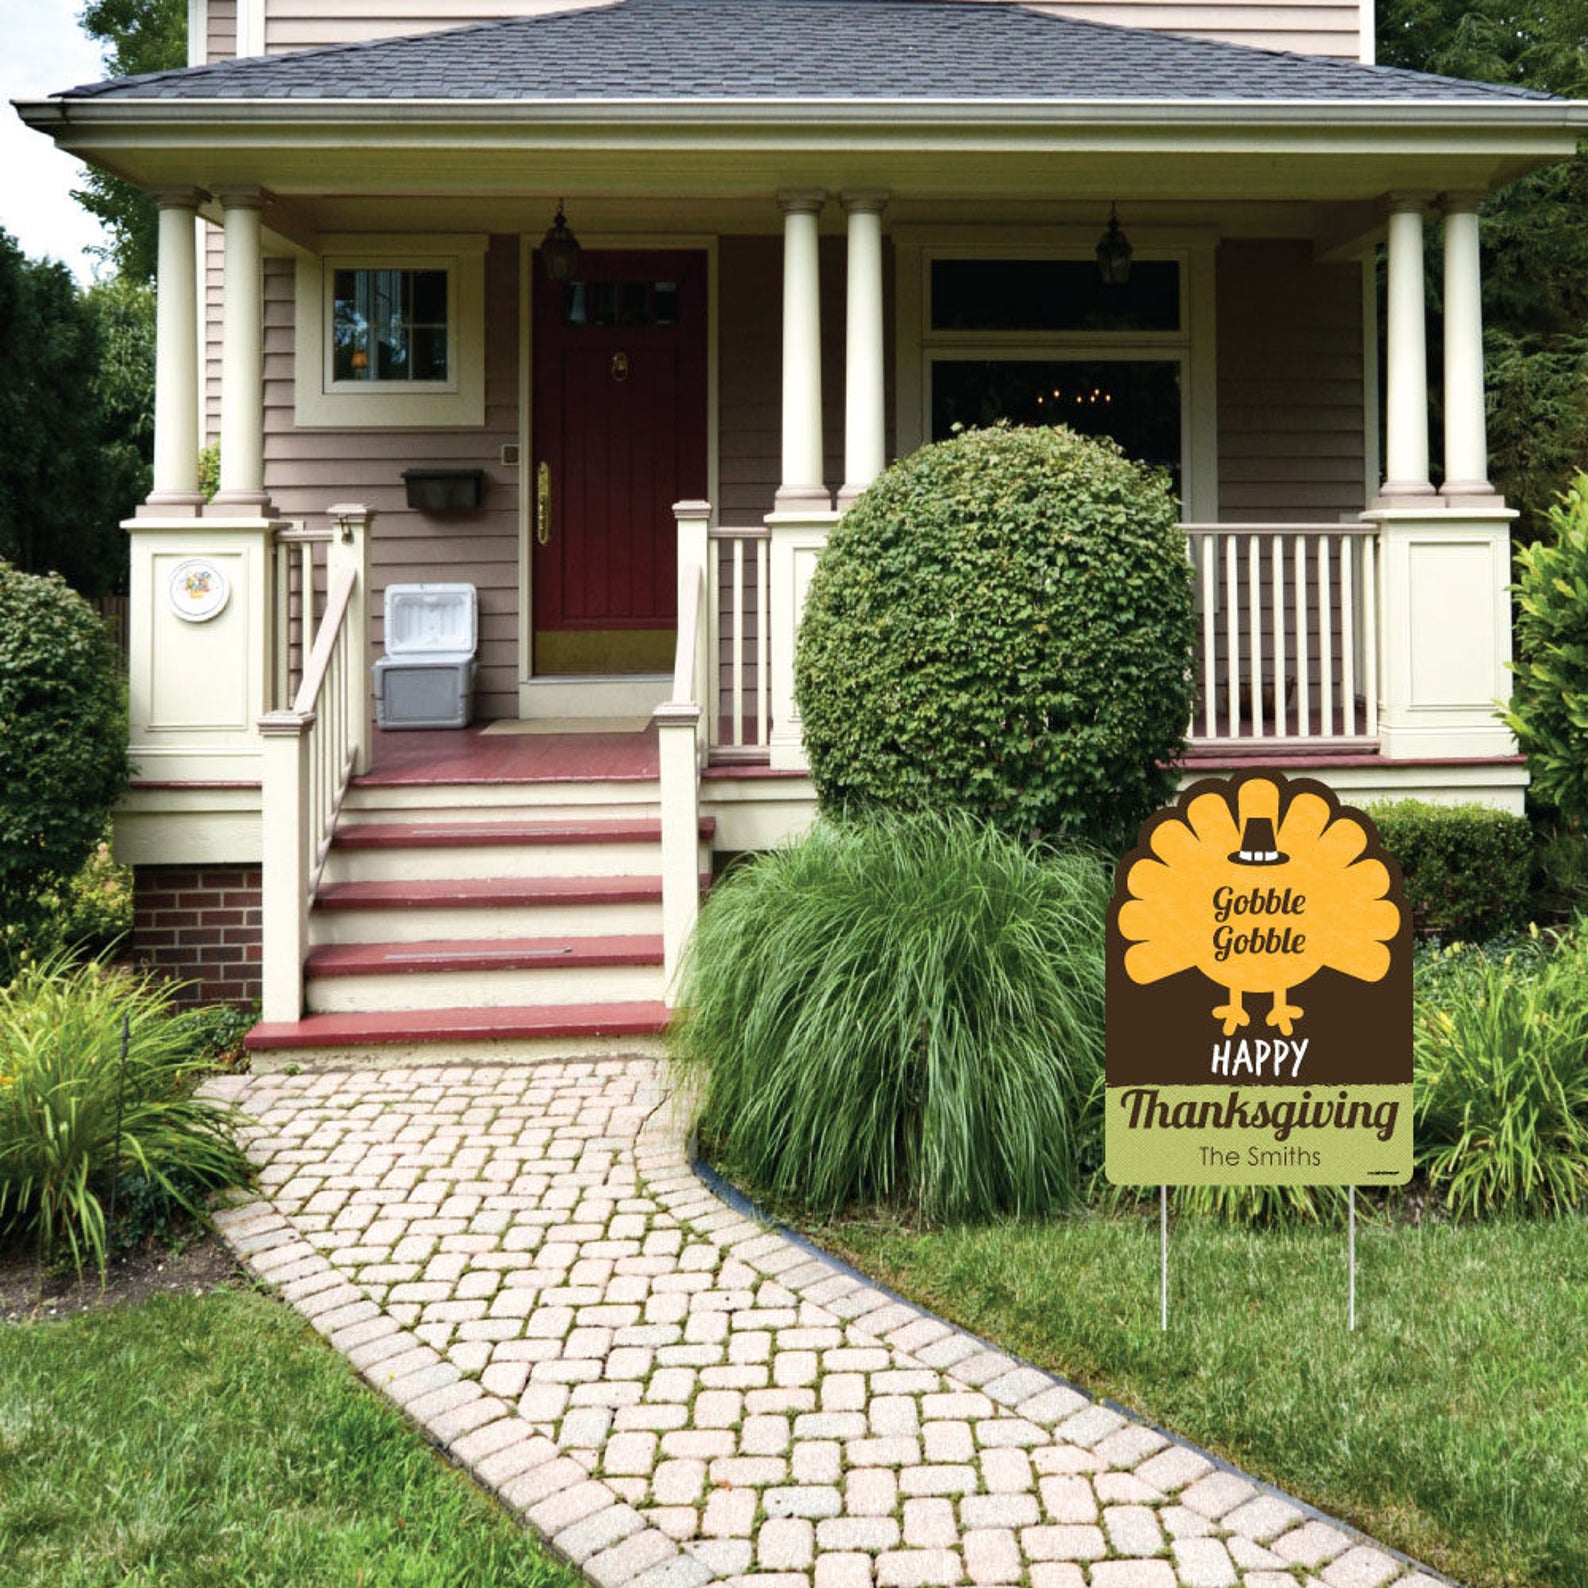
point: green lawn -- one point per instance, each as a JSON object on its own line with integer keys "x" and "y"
{"x": 216, "y": 1440}
{"x": 1452, "y": 1425}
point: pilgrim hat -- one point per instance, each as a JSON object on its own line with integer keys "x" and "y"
{"x": 1259, "y": 847}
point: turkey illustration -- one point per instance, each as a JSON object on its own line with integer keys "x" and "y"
{"x": 1258, "y": 899}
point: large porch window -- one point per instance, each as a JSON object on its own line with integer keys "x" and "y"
{"x": 1019, "y": 326}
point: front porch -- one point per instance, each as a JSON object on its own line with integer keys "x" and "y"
{"x": 652, "y": 443}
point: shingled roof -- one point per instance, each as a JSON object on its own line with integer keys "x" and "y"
{"x": 817, "y": 50}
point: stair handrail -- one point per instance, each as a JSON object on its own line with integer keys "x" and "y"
{"x": 310, "y": 752}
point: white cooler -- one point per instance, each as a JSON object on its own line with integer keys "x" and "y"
{"x": 426, "y": 677}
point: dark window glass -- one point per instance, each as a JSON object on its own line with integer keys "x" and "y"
{"x": 389, "y": 325}
{"x": 1052, "y": 295}
{"x": 620, "y": 303}
{"x": 1135, "y": 402}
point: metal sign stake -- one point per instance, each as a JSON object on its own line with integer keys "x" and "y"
{"x": 1163, "y": 1259}
{"x": 1350, "y": 1192}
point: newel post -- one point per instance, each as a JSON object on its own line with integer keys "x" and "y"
{"x": 349, "y": 548}
{"x": 677, "y": 734}
{"x": 284, "y": 861}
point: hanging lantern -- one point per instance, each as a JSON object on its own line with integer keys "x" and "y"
{"x": 1114, "y": 252}
{"x": 559, "y": 248}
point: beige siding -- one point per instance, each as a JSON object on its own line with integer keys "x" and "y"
{"x": 1320, "y": 28}
{"x": 304, "y": 24}
{"x": 1290, "y": 385}
{"x": 214, "y": 273}
{"x": 221, "y": 32}
{"x": 307, "y": 470}
{"x": 1312, "y": 27}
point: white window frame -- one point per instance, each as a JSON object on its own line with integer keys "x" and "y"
{"x": 455, "y": 403}
{"x": 1192, "y": 346}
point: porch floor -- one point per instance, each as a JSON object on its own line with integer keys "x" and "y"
{"x": 471, "y": 755}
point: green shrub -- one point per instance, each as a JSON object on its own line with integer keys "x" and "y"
{"x": 91, "y": 913}
{"x": 905, "y": 1010}
{"x": 1501, "y": 1045}
{"x": 1002, "y": 624}
{"x": 64, "y": 1092}
{"x": 63, "y": 746}
{"x": 1549, "y": 699}
{"x": 1467, "y": 867}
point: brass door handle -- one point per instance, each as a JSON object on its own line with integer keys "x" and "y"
{"x": 543, "y": 504}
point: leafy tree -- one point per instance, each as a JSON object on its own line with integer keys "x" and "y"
{"x": 1535, "y": 237}
{"x": 63, "y": 746}
{"x": 139, "y": 36}
{"x": 76, "y": 412}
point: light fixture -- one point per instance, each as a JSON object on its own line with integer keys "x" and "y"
{"x": 1113, "y": 252}
{"x": 560, "y": 249}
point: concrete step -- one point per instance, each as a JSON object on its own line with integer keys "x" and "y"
{"x": 450, "y": 850}
{"x": 517, "y": 972}
{"x": 487, "y": 908}
{"x": 486, "y": 1036}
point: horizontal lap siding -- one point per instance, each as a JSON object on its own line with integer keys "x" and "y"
{"x": 1290, "y": 362}
{"x": 1318, "y": 29}
{"x": 305, "y": 24}
{"x": 220, "y": 39}
{"x": 307, "y": 470}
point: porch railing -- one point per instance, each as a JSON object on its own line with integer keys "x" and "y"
{"x": 1288, "y": 631}
{"x": 738, "y": 584}
{"x": 298, "y": 600}
{"x": 312, "y": 749}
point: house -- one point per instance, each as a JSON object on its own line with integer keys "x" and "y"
{"x": 649, "y": 290}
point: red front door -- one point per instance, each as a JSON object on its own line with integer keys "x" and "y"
{"x": 619, "y": 436}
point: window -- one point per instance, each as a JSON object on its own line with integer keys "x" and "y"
{"x": 1016, "y": 324}
{"x": 1137, "y": 402}
{"x": 389, "y": 325}
{"x": 391, "y": 332}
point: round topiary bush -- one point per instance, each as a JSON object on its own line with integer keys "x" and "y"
{"x": 1002, "y": 623}
{"x": 63, "y": 744}
{"x": 906, "y": 1009}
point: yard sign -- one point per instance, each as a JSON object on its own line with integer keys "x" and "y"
{"x": 1259, "y": 994}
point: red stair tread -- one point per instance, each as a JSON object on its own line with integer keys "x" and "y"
{"x": 460, "y": 834}
{"x": 638, "y": 1019}
{"x": 486, "y": 892}
{"x": 514, "y": 953}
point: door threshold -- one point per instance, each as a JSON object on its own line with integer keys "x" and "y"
{"x": 595, "y": 695}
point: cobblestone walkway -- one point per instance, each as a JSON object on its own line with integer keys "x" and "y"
{"x": 521, "y": 1258}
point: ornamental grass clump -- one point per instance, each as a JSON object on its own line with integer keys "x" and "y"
{"x": 74, "y": 1120}
{"x": 905, "y": 1010}
{"x": 1501, "y": 1046}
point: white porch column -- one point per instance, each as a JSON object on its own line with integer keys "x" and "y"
{"x": 1466, "y": 436}
{"x": 242, "y": 485}
{"x": 803, "y": 483}
{"x": 1406, "y": 357}
{"x": 176, "y": 371}
{"x": 865, "y": 428}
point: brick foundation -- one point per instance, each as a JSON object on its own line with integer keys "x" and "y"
{"x": 200, "y": 924}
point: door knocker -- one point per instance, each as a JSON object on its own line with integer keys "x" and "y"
{"x": 620, "y": 367}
